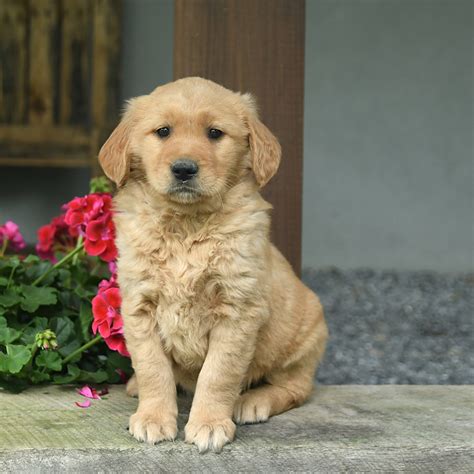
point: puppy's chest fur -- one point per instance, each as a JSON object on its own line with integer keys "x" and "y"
{"x": 187, "y": 298}
{"x": 178, "y": 267}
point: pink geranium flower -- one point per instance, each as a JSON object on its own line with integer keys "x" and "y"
{"x": 100, "y": 238}
{"x": 91, "y": 217}
{"x": 107, "y": 319}
{"x": 55, "y": 236}
{"x": 11, "y": 237}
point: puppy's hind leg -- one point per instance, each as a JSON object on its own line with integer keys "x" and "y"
{"x": 286, "y": 387}
{"x": 283, "y": 390}
{"x": 132, "y": 386}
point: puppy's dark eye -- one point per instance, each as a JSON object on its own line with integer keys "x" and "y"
{"x": 214, "y": 133}
{"x": 163, "y": 132}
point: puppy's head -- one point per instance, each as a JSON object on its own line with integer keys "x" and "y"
{"x": 193, "y": 139}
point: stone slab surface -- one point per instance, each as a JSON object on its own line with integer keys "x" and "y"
{"x": 384, "y": 428}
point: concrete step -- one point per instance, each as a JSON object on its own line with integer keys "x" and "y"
{"x": 352, "y": 428}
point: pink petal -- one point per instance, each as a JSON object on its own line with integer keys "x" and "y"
{"x": 95, "y": 248}
{"x": 89, "y": 392}
{"x": 85, "y": 391}
{"x": 84, "y": 404}
{"x": 112, "y": 297}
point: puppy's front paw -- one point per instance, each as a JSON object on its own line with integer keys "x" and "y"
{"x": 252, "y": 407}
{"x": 152, "y": 428}
{"x": 210, "y": 434}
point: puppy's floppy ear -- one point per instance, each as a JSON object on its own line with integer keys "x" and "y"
{"x": 265, "y": 150}
{"x": 114, "y": 156}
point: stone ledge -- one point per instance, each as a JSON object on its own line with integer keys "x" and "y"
{"x": 342, "y": 428}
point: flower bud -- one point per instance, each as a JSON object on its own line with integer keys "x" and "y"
{"x": 46, "y": 339}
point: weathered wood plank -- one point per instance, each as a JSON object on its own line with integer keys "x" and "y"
{"x": 74, "y": 103}
{"x": 72, "y": 161}
{"x": 44, "y": 22}
{"x": 255, "y": 46}
{"x": 345, "y": 428}
{"x": 59, "y": 80}
{"x": 36, "y": 135}
{"x": 13, "y": 60}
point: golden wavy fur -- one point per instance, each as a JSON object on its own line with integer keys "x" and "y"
{"x": 208, "y": 302}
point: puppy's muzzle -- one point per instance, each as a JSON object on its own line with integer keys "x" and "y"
{"x": 184, "y": 170}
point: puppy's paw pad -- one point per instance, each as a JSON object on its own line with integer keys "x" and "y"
{"x": 251, "y": 407}
{"x": 152, "y": 429}
{"x": 212, "y": 435}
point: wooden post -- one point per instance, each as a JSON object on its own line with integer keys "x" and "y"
{"x": 255, "y": 46}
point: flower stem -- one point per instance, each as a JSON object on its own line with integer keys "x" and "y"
{"x": 79, "y": 244}
{"x": 34, "y": 350}
{"x": 86, "y": 346}
{"x": 65, "y": 259}
{"x": 10, "y": 278}
{"x": 4, "y": 247}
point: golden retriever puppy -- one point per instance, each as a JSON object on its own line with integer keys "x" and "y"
{"x": 208, "y": 302}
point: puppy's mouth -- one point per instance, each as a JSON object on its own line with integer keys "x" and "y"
{"x": 184, "y": 192}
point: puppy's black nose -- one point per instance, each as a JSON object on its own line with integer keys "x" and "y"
{"x": 184, "y": 169}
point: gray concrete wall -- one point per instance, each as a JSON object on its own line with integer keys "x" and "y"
{"x": 388, "y": 131}
{"x": 388, "y": 178}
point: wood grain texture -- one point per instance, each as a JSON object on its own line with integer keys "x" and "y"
{"x": 43, "y": 61}
{"x": 105, "y": 79}
{"x": 105, "y": 60}
{"x": 59, "y": 80}
{"x": 255, "y": 46}
{"x": 13, "y": 60}
{"x": 75, "y": 62}
{"x": 385, "y": 428}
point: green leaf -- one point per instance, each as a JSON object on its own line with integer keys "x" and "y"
{"x": 38, "y": 377}
{"x": 49, "y": 359}
{"x": 64, "y": 329}
{"x": 9, "y": 298}
{"x": 64, "y": 276}
{"x": 84, "y": 293}
{"x": 3, "y": 281}
{"x": 73, "y": 372}
{"x": 36, "y": 270}
{"x": 32, "y": 259}
{"x": 40, "y": 324}
{"x": 8, "y": 335}
{"x": 115, "y": 360}
{"x": 15, "y": 358}
{"x": 96, "y": 377}
{"x": 70, "y": 348}
{"x": 100, "y": 184}
{"x": 34, "y": 297}
{"x": 85, "y": 317}
{"x": 11, "y": 261}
